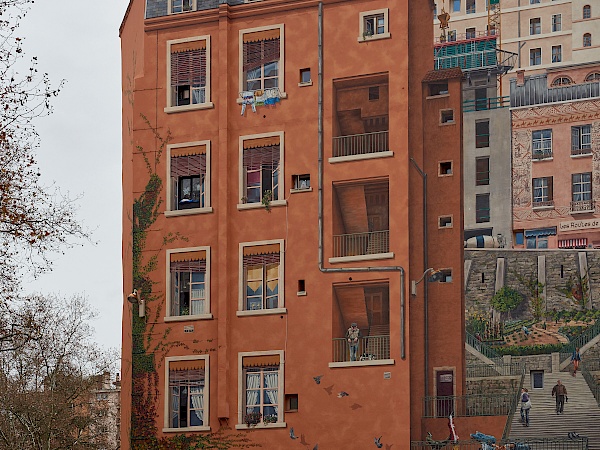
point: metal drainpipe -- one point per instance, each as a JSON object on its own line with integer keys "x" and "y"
{"x": 425, "y": 286}
{"x": 320, "y": 196}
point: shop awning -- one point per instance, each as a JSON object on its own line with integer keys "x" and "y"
{"x": 551, "y": 231}
{"x": 571, "y": 243}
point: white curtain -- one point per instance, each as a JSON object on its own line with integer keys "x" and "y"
{"x": 175, "y": 407}
{"x": 197, "y": 306}
{"x": 252, "y": 389}
{"x": 271, "y": 383}
{"x": 197, "y": 399}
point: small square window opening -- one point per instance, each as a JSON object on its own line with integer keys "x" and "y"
{"x": 438, "y": 89}
{"x": 445, "y": 222}
{"x": 301, "y": 181}
{"x": 301, "y": 286}
{"x": 445, "y": 168}
{"x": 291, "y": 402}
{"x": 447, "y": 116}
{"x": 374, "y": 93}
{"x": 305, "y": 76}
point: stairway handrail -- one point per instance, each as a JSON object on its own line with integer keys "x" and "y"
{"x": 516, "y": 399}
{"x": 590, "y": 379}
{"x": 481, "y": 347}
{"x": 585, "y": 337}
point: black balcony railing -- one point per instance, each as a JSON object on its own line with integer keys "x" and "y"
{"x": 469, "y": 405}
{"x": 358, "y": 244}
{"x": 361, "y": 144}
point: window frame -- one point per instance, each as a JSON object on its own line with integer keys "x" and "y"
{"x": 579, "y": 147}
{"x": 280, "y": 390}
{"x": 280, "y": 201}
{"x": 207, "y": 87}
{"x": 454, "y": 4}
{"x": 546, "y": 185}
{"x": 207, "y": 208}
{"x": 473, "y": 7}
{"x": 541, "y": 140}
{"x": 535, "y": 26}
{"x": 482, "y": 143}
{"x": 362, "y": 18}
{"x": 556, "y": 23}
{"x": 592, "y": 77}
{"x": 168, "y": 286}
{"x": 194, "y": 7}
{"x": 479, "y": 181}
{"x": 532, "y": 51}
{"x": 470, "y": 33}
{"x": 583, "y": 184}
{"x": 477, "y": 209}
{"x": 206, "y": 394}
{"x": 281, "y": 309}
{"x": 587, "y": 39}
{"x": 556, "y": 52}
{"x": 280, "y": 67}
{"x": 586, "y": 12}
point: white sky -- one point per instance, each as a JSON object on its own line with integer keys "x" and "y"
{"x": 78, "y": 41}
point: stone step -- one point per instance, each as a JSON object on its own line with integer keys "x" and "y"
{"x": 581, "y": 413}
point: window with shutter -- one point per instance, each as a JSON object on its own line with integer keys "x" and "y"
{"x": 187, "y": 396}
{"x": 188, "y": 283}
{"x": 261, "y": 177}
{"x": 581, "y": 140}
{"x": 262, "y": 275}
{"x": 188, "y": 73}
{"x": 261, "y": 56}
{"x": 188, "y": 175}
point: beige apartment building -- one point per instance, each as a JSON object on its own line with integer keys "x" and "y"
{"x": 543, "y": 33}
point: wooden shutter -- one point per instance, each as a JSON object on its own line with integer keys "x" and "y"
{"x": 188, "y": 63}
{"x": 260, "y": 48}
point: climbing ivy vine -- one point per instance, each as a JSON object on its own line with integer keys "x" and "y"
{"x": 148, "y": 349}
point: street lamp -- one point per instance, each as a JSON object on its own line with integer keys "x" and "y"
{"x": 432, "y": 271}
{"x": 134, "y": 298}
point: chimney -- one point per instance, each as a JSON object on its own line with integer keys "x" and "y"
{"x": 117, "y": 381}
{"x": 520, "y": 77}
{"x": 106, "y": 380}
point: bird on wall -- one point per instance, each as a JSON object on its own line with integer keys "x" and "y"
{"x": 378, "y": 443}
{"x": 318, "y": 379}
{"x": 292, "y": 435}
{"x": 329, "y": 389}
{"x": 343, "y": 394}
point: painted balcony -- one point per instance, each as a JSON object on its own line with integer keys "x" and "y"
{"x": 358, "y": 244}
{"x": 361, "y": 144}
{"x": 582, "y": 206}
{"x": 370, "y": 348}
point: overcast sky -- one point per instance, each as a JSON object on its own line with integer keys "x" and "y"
{"x": 78, "y": 41}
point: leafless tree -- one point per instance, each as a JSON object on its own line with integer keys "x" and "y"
{"x": 35, "y": 220}
{"x": 48, "y": 382}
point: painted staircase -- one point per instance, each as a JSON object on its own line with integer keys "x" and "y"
{"x": 581, "y": 413}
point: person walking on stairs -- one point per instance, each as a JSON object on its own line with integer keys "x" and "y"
{"x": 560, "y": 392}
{"x": 525, "y": 407}
{"x": 575, "y": 359}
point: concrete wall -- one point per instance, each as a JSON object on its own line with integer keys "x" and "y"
{"x": 498, "y": 151}
{"x": 560, "y": 265}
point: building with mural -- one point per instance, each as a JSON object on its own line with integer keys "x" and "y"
{"x": 279, "y": 198}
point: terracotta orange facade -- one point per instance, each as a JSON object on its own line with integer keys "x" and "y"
{"x": 274, "y": 158}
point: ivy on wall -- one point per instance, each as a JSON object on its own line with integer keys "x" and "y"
{"x": 148, "y": 349}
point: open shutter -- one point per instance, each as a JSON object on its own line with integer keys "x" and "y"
{"x": 575, "y": 138}
{"x": 550, "y": 189}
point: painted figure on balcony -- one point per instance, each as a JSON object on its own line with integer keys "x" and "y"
{"x": 352, "y": 336}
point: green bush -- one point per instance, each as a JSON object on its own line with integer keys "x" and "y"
{"x": 523, "y": 350}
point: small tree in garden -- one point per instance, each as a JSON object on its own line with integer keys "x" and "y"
{"x": 506, "y": 300}
{"x": 535, "y": 289}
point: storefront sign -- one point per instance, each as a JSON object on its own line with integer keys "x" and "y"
{"x": 575, "y": 225}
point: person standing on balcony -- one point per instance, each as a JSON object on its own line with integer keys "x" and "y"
{"x": 352, "y": 336}
{"x": 525, "y": 407}
{"x": 560, "y": 391}
{"x": 576, "y": 359}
